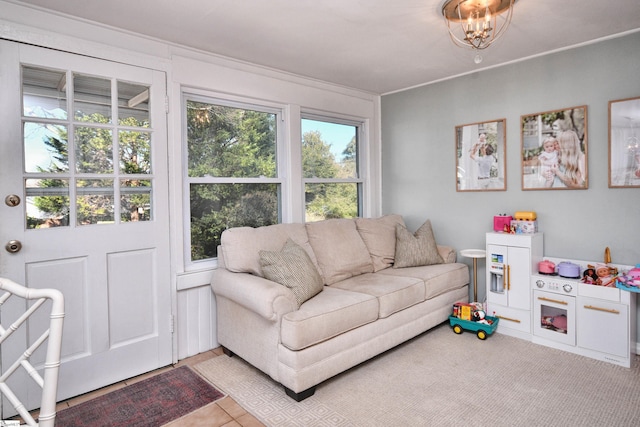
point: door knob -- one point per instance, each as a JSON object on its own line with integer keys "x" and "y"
{"x": 13, "y": 246}
{"x": 12, "y": 200}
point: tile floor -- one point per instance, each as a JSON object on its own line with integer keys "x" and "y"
{"x": 221, "y": 413}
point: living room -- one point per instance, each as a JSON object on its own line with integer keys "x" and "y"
{"x": 411, "y": 164}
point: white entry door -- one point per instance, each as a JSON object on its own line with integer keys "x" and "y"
{"x": 83, "y": 155}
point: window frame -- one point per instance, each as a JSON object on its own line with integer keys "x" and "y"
{"x": 281, "y": 157}
{"x": 359, "y": 180}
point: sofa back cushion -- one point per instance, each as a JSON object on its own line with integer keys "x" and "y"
{"x": 379, "y": 234}
{"x": 339, "y": 249}
{"x": 241, "y": 246}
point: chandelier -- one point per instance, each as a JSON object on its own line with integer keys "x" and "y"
{"x": 477, "y": 23}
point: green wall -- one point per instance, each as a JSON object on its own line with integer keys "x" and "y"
{"x": 418, "y": 152}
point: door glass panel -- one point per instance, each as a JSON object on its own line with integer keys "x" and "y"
{"x": 44, "y": 93}
{"x": 94, "y": 150}
{"x": 60, "y": 150}
{"x": 94, "y": 201}
{"x": 135, "y": 200}
{"x": 135, "y": 152}
{"x": 92, "y": 99}
{"x": 47, "y": 203}
{"x": 133, "y": 105}
{"x": 45, "y": 148}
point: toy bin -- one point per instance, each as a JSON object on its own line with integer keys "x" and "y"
{"x": 482, "y": 330}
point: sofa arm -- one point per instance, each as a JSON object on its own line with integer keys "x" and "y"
{"x": 447, "y": 253}
{"x": 264, "y": 297}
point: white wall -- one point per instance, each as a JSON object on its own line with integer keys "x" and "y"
{"x": 418, "y": 152}
{"x": 193, "y": 302}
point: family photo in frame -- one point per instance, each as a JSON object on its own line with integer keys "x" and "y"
{"x": 481, "y": 156}
{"x": 554, "y": 149}
{"x": 624, "y": 145}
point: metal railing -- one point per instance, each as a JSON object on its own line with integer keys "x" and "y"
{"x": 49, "y": 380}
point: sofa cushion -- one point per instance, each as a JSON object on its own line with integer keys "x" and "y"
{"x": 417, "y": 249}
{"x": 241, "y": 246}
{"x": 339, "y": 249}
{"x": 328, "y": 314}
{"x": 438, "y": 279}
{"x": 379, "y": 235}
{"x": 394, "y": 293}
{"x": 292, "y": 268}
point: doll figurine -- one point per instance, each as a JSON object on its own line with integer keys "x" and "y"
{"x": 605, "y": 278}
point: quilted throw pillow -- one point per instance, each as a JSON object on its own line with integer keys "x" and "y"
{"x": 292, "y": 268}
{"x": 413, "y": 250}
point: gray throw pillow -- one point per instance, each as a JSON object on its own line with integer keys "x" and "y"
{"x": 413, "y": 250}
{"x": 292, "y": 268}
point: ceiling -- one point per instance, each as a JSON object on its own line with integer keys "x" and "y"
{"x": 379, "y": 46}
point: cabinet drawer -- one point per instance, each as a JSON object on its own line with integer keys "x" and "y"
{"x": 603, "y": 326}
{"x": 511, "y": 318}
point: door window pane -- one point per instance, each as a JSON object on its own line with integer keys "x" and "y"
{"x": 44, "y": 93}
{"x": 216, "y": 207}
{"x": 135, "y": 200}
{"x": 45, "y": 148}
{"x": 94, "y": 201}
{"x": 47, "y": 203}
{"x": 94, "y": 150}
{"x": 135, "y": 152}
{"x": 92, "y": 99}
{"x": 133, "y": 105}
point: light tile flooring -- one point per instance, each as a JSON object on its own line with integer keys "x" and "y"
{"x": 221, "y": 413}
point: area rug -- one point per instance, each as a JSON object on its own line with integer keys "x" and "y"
{"x": 151, "y": 402}
{"x": 444, "y": 379}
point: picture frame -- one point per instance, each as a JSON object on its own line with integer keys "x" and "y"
{"x": 554, "y": 150}
{"x": 624, "y": 143}
{"x": 481, "y": 153}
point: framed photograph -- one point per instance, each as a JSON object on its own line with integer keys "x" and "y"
{"x": 481, "y": 156}
{"x": 554, "y": 150}
{"x": 624, "y": 143}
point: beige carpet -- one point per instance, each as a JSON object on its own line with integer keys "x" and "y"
{"x": 444, "y": 379}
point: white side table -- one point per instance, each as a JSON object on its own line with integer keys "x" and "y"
{"x": 475, "y": 254}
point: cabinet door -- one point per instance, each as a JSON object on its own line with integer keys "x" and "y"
{"x": 603, "y": 326}
{"x": 518, "y": 285}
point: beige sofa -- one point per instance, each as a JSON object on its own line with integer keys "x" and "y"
{"x": 362, "y": 301}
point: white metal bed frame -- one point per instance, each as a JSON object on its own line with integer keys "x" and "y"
{"x": 49, "y": 383}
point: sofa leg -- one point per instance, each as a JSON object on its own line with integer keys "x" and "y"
{"x": 226, "y": 351}
{"x": 299, "y": 397}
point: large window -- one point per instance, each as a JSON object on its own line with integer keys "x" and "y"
{"x": 232, "y": 172}
{"x": 332, "y": 184}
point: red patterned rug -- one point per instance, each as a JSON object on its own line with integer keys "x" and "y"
{"x": 151, "y": 402}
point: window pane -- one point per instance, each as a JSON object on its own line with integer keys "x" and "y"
{"x": 329, "y": 150}
{"x": 44, "y": 93}
{"x": 94, "y": 201}
{"x": 333, "y": 200}
{"x": 47, "y": 203}
{"x": 45, "y": 148}
{"x": 216, "y": 207}
{"x": 133, "y": 105}
{"x": 135, "y": 200}
{"x": 92, "y": 99}
{"x": 94, "y": 150}
{"x": 135, "y": 152}
{"x": 230, "y": 142}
